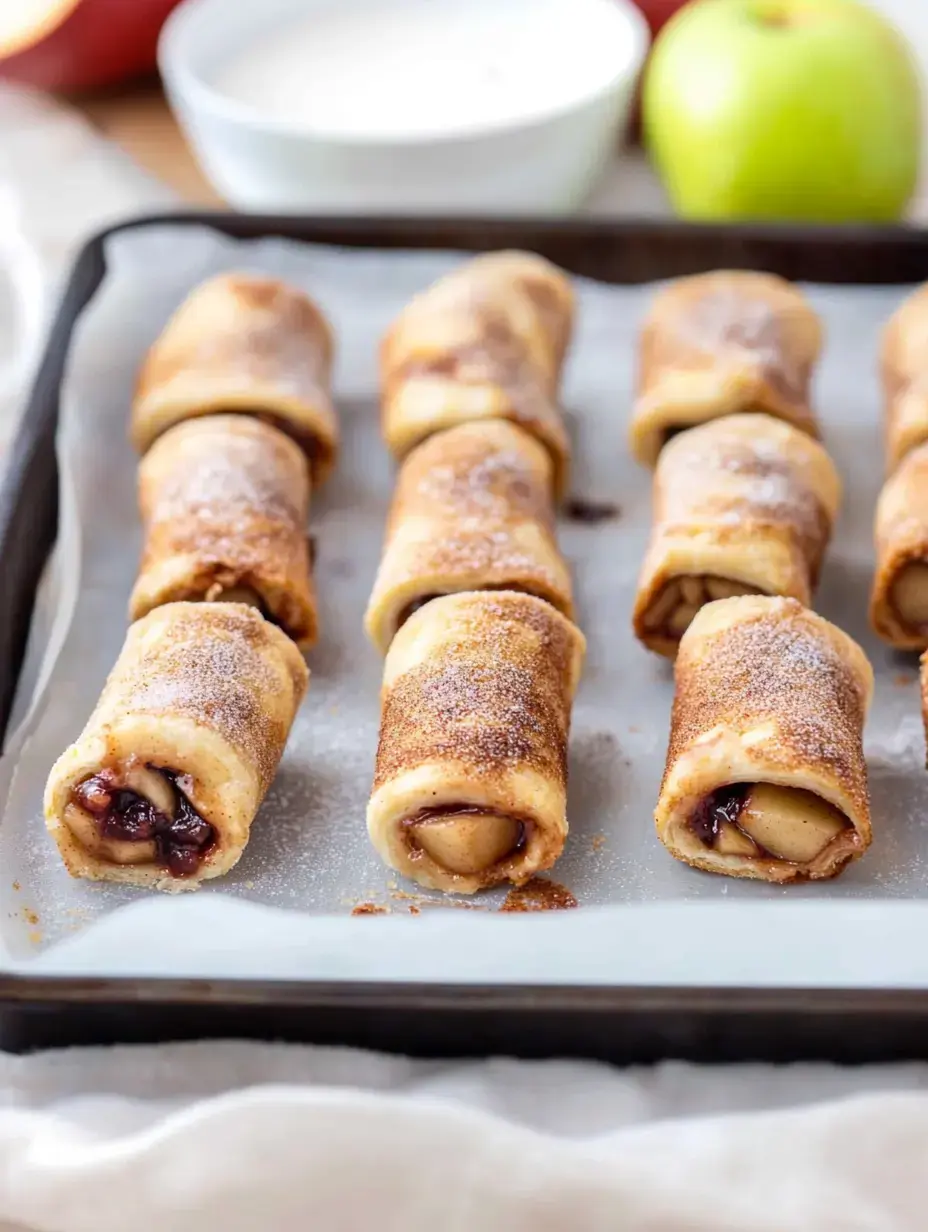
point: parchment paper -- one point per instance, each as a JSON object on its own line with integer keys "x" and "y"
{"x": 309, "y": 852}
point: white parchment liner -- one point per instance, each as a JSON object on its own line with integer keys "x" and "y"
{"x": 309, "y": 854}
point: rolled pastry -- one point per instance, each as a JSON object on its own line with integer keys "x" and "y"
{"x": 470, "y": 784}
{"x": 742, "y": 505}
{"x": 161, "y": 787}
{"x": 485, "y": 342}
{"x": 224, "y": 501}
{"x": 472, "y": 511}
{"x": 765, "y": 773}
{"x": 720, "y": 343}
{"x": 246, "y": 344}
{"x": 904, "y": 369}
{"x": 899, "y": 600}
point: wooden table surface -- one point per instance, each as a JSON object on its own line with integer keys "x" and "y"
{"x": 138, "y": 119}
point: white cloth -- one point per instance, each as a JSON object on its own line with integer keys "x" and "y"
{"x": 192, "y": 1138}
{"x": 230, "y": 1136}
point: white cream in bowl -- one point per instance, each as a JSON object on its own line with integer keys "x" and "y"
{"x": 443, "y": 105}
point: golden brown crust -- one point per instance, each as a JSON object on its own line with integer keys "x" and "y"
{"x": 745, "y": 499}
{"x": 901, "y": 536}
{"x": 224, "y": 501}
{"x": 472, "y": 511}
{"x": 485, "y": 342}
{"x": 204, "y": 690}
{"x": 905, "y": 377}
{"x": 721, "y": 343}
{"x": 476, "y": 711}
{"x": 769, "y": 692}
{"x": 245, "y": 344}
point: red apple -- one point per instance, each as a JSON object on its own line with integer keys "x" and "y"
{"x": 75, "y": 44}
{"x": 658, "y": 12}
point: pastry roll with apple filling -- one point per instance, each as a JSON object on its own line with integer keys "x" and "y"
{"x": 742, "y": 505}
{"x": 899, "y": 599}
{"x": 765, "y": 773}
{"x": 224, "y": 501}
{"x": 161, "y": 787}
{"x": 721, "y": 343}
{"x": 904, "y": 371}
{"x": 470, "y": 785}
{"x": 485, "y": 342}
{"x": 472, "y": 511}
{"x": 246, "y": 344}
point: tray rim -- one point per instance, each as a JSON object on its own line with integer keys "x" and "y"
{"x": 32, "y": 457}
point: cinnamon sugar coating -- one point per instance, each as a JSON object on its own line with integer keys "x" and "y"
{"x": 486, "y": 341}
{"x": 745, "y": 498}
{"x": 495, "y": 693}
{"x": 475, "y": 717}
{"x": 225, "y": 501}
{"x": 472, "y": 510}
{"x": 716, "y": 344}
{"x": 246, "y": 344}
{"x": 767, "y": 692}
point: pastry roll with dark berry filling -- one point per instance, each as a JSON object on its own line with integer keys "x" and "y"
{"x": 742, "y": 505}
{"x": 485, "y": 342}
{"x": 765, "y": 773}
{"x": 899, "y": 600}
{"x": 472, "y": 511}
{"x": 161, "y": 787}
{"x": 247, "y": 344}
{"x": 470, "y": 785}
{"x": 904, "y": 372}
{"x": 716, "y": 344}
{"x": 224, "y": 501}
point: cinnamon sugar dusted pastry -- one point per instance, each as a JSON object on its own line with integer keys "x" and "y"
{"x": 247, "y": 344}
{"x": 899, "y": 599}
{"x": 720, "y": 343}
{"x": 161, "y": 787}
{"x": 485, "y": 342}
{"x": 224, "y": 501}
{"x": 904, "y": 369}
{"x": 742, "y": 505}
{"x": 471, "y": 774}
{"x": 472, "y": 511}
{"x": 765, "y": 773}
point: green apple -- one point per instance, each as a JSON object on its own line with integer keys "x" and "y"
{"x": 783, "y": 109}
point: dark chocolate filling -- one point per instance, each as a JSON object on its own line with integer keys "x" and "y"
{"x": 122, "y": 815}
{"x": 720, "y": 806}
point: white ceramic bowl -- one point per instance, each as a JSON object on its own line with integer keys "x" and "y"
{"x": 543, "y": 160}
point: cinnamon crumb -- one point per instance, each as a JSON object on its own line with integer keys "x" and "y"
{"x": 590, "y": 511}
{"x": 17, "y": 886}
{"x": 903, "y": 679}
{"x": 369, "y": 909}
{"x": 539, "y": 894}
{"x": 30, "y": 916}
{"x": 599, "y": 842}
{"x": 413, "y": 909}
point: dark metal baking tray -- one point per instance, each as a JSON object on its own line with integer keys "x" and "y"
{"x": 621, "y": 1024}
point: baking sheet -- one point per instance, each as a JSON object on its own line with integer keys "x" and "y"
{"x": 285, "y": 909}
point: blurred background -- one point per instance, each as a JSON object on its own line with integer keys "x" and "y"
{"x": 797, "y": 111}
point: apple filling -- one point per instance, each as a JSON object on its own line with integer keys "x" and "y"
{"x": 466, "y": 839}
{"x": 679, "y": 599}
{"x": 140, "y": 816}
{"x": 910, "y": 596}
{"x": 767, "y": 821}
